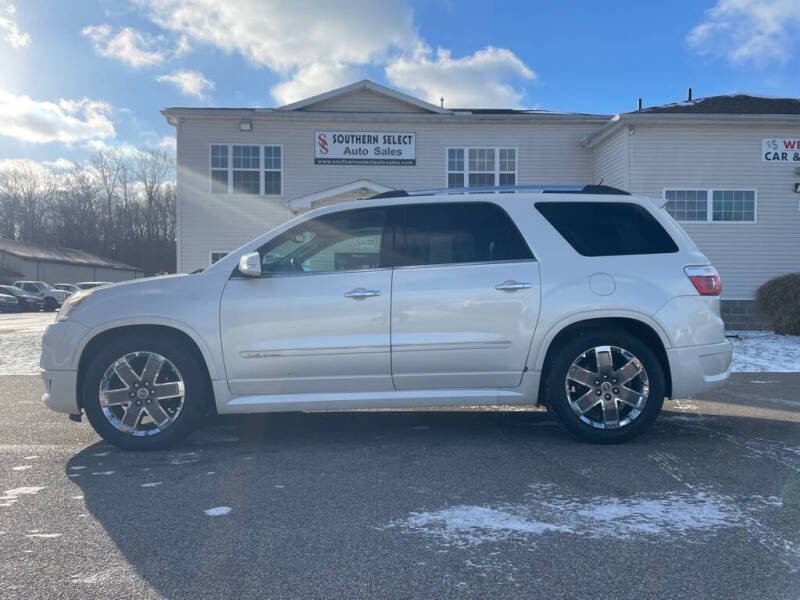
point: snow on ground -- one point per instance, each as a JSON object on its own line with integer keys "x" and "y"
{"x": 764, "y": 352}
{"x": 753, "y": 351}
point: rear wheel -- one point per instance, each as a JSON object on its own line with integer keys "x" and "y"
{"x": 144, "y": 392}
{"x": 605, "y": 386}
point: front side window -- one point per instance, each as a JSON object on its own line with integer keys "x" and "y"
{"x": 343, "y": 241}
{"x": 481, "y": 167}
{"x": 607, "y": 228}
{"x": 216, "y": 256}
{"x": 448, "y": 233}
{"x": 711, "y": 206}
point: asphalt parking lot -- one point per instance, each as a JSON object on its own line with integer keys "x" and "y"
{"x": 408, "y": 504}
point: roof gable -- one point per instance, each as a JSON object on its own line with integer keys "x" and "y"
{"x": 364, "y": 96}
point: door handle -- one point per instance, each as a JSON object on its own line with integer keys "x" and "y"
{"x": 512, "y": 286}
{"x": 361, "y": 293}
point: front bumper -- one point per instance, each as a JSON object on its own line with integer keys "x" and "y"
{"x": 697, "y": 369}
{"x": 61, "y": 393}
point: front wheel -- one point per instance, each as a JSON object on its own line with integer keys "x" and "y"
{"x": 144, "y": 392}
{"x": 50, "y": 304}
{"x": 605, "y": 386}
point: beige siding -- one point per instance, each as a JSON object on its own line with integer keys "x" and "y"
{"x": 548, "y": 153}
{"x": 610, "y": 160}
{"x": 363, "y": 101}
{"x": 727, "y": 157}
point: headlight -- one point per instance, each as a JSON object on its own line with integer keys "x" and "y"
{"x": 71, "y": 303}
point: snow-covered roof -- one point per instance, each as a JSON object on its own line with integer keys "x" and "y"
{"x": 730, "y": 104}
{"x": 61, "y": 255}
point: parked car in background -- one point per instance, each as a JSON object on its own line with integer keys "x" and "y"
{"x": 27, "y": 301}
{"x": 595, "y": 304}
{"x": 70, "y": 288}
{"x": 8, "y": 303}
{"x": 87, "y": 285}
{"x": 53, "y": 298}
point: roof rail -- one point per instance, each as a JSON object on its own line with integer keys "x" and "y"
{"x": 544, "y": 189}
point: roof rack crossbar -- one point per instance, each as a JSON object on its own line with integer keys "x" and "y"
{"x": 544, "y": 189}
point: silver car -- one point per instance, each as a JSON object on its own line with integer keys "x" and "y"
{"x": 591, "y": 302}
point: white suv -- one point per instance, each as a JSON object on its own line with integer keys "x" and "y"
{"x": 592, "y": 302}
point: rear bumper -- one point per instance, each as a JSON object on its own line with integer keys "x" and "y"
{"x": 697, "y": 369}
{"x": 61, "y": 395}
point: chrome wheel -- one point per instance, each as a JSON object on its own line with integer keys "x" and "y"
{"x": 607, "y": 387}
{"x": 141, "y": 393}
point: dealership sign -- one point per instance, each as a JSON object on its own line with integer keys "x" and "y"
{"x": 776, "y": 150}
{"x": 379, "y": 148}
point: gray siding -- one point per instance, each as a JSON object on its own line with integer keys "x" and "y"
{"x": 548, "y": 153}
{"x": 363, "y": 101}
{"x": 729, "y": 157}
{"x": 610, "y": 160}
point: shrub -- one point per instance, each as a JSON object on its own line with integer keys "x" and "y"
{"x": 778, "y": 300}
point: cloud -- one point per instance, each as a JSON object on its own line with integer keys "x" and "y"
{"x": 190, "y": 83}
{"x": 9, "y": 27}
{"x": 483, "y": 79}
{"x": 285, "y": 36}
{"x": 65, "y": 121}
{"x": 314, "y": 79}
{"x": 758, "y": 32}
{"x": 128, "y": 45}
{"x": 168, "y": 142}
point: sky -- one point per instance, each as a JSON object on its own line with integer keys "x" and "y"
{"x": 78, "y": 76}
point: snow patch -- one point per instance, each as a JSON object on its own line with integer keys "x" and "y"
{"x": 764, "y": 352}
{"x": 669, "y": 515}
{"x": 151, "y": 484}
{"x": 21, "y": 468}
{"x": 217, "y": 511}
{"x": 43, "y": 535}
{"x": 11, "y": 496}
{"x": 103, "y": 472}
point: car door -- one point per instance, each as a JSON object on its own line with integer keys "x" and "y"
{"x": 465, "y": 297}
{"x": 317, "y": 320}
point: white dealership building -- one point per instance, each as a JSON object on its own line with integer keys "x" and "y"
{"x": 728, "y": 167}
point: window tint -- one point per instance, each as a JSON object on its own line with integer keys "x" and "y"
{"x": 429, "y": 234}
{"x": 607, "y": 228}
{"x": 343, "y": 241}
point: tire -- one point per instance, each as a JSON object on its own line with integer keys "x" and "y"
{"x": 137, "y": 350}
{"x": 50, "y": 304}
{"x": 561, "y": 395}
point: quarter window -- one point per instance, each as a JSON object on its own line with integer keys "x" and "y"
{"x": 607, "y": 228}
{"x": 711, "y": 206}
{"x": 479, "y": 167}
{"x": 447, "y": 233}
{"x": 217, "y": 255}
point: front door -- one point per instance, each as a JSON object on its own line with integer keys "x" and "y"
{"x": 317, "y": 320}
{"x": 465, "y": 298}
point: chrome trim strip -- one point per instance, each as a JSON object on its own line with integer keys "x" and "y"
{"x": 437, "y": 346}
{"x": 283, "y": 353}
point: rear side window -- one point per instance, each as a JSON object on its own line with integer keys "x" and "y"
{"x": 607, "y": 228}
{"x": 448, "y": 233}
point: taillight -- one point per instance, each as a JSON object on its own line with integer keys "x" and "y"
{"x": 705, "y": 280}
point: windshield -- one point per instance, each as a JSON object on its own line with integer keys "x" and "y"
{"x": 7, "y": 289}
{"x": 43, "y": 285}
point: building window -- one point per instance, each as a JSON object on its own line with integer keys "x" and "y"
{"x": 239, "y": 169}
{"x": 734, "y": 205}
{"x": 687, "y": 205}
{"x": 216, "y": 255}
{"x": 711, "y": 206}
{"x": 479, "y": 167}
{"x": 246, "y": 168}
{"x": 273, "y": 173}
{"x": 455, "y": 167}
{"x": 219, "y": 169}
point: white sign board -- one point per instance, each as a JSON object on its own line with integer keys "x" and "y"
{"x": 380, "y": 148}
{"x": 776, "y": 150}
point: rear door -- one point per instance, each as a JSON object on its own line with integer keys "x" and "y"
{"x": 465, "y": 297}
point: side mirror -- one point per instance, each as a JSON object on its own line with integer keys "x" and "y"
{"x": 250, "y": 264}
